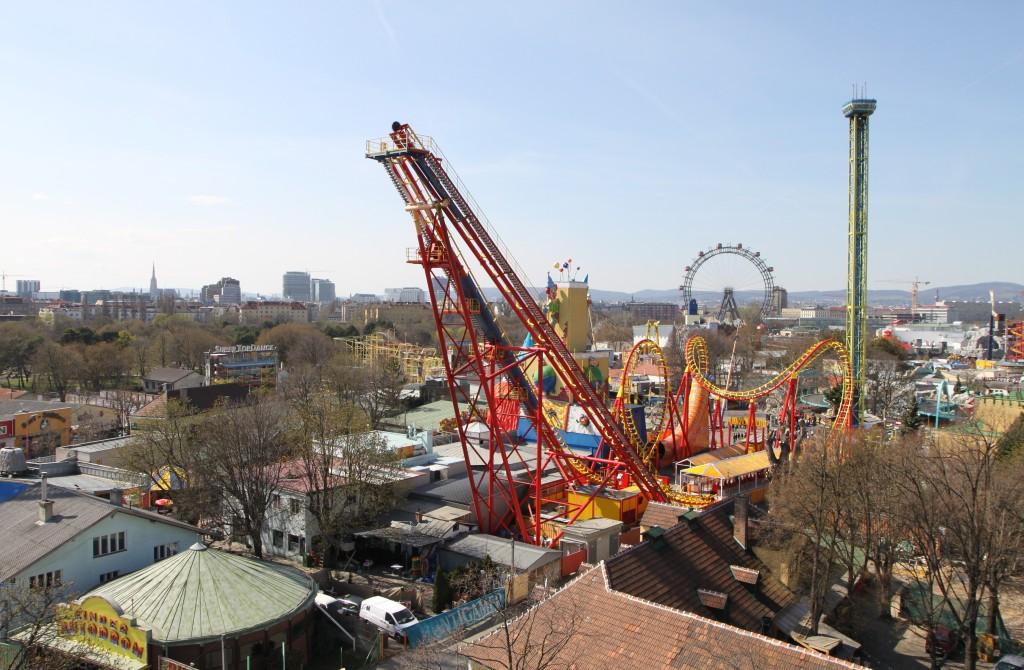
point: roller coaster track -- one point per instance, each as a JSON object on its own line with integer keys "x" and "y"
{"x": 697, "y": 363}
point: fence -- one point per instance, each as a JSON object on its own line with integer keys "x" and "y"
{"x": 458, "y": 618}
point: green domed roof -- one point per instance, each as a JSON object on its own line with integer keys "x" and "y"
{"x": 205, "y": 593}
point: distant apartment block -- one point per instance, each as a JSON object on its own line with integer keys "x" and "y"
{"x": 296, "y": 286}
{"x": 245, "y": 364}
{"x": 407, "y": 294}
{"x": 364, "y": 298}
{"x": 26, "y": 287}
{"x": 273, "y": 311}
{"x": 322, "y": 291}
{"x": 226, "y": 291}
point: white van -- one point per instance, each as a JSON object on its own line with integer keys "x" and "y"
{"x": 391, "y": 617}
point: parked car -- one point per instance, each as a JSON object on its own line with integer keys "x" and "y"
{"x": 392, "y": 617}
{"x": 1010, "y": 662}
{"x": 336, "y": 607}
{"x": 942, "y": 641}
{"x": 349, "y": 604}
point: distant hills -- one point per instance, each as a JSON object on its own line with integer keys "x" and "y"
{"x": 1003, "y": 290}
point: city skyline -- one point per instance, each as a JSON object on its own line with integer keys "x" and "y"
{"x": 722, "y": 125}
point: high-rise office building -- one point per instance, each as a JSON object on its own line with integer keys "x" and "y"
{"x": 230, "y": 291}
{"x": 296, "y": 286}
{"x": 26, "y": 287}
{"x": 227, "y": 291}
{"x": 323, "y": 291}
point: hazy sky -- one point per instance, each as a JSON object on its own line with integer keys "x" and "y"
{"x": 227, "y": 138}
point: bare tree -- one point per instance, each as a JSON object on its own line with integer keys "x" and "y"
{"x": 28, "y": 613}
{"x": 242, "y": 455}
{"x": 168, "y": 451}
{"x": 61, "y": 366}
{"x": 544, "y": 637}
{"x": 808, "y": 505}
{"x": 350, "y": 473}
{"x": 959, "y": 504}
{"x": 381, "y": 393}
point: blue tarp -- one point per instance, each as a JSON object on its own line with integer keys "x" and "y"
{"x": 457, "y": 618}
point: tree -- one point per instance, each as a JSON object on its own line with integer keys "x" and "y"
{"x": 808, "y": 505}
{"x": 380, "y": 396}
{"x": 541, "y": 638}
{"x": 61, "y": 366}
{"x": 104, "y": 363}
{"x": 168, "y": 451}
{"x": 959, "y": 502}
{"x": 299, "y": 344}
{"x": 351, "y": 475}
{"x": 242, "y": 453}
{"x": 18, "y": 346}
{"x": 30, "y": 611}
{"x": 910, "y": 421}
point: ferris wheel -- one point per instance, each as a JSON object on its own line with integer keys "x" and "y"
{"x": 728, "y": 309}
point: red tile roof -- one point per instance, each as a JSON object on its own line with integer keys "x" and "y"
{"x": 589, "y": 625}
{"x": 670, "y": 570}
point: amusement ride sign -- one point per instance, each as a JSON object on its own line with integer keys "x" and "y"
{"x": 98, "y": 622}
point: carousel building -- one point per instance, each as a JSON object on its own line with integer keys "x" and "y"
{"x": 205, "y": 607}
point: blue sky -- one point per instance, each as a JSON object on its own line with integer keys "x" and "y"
{"x": 228, "y": 138}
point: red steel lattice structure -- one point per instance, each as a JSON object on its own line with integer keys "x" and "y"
{"x": 504, "y": 480}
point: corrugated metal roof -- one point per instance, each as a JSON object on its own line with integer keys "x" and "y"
{"x": 204, "y": 593}
{"x": 500, "y": 550}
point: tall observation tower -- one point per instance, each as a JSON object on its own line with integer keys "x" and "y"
{"x": 857, "y": 111}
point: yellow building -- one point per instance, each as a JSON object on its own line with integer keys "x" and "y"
{"x": 569, "y": 311}
{"x": 39, "y": 426}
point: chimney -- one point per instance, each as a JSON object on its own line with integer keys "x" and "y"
{"x": 45, "y": 504}
{"x": 739, "y": 521}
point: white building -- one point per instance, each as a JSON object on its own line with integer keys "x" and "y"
{"x": 76, "y": 540}
{"x": 409, "y": 294}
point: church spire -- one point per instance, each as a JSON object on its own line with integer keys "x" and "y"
{"x": 152, "y": 284}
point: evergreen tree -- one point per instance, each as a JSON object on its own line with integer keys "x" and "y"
{"x": 911, "y": 420}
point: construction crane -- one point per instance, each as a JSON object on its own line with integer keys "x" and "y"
{"x": 3, "y": 280}
{"x": 915, "y": 288}
{"x": 503, "y": 479}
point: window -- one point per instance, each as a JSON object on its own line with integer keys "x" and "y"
{"x": 278, "y": 538}
{"x": 162, "y": 551}
{"x": 296, "y": 505}
{"x": 390, "y": 619}
{"x": 45, "y": 580}
{"x": 293, "y": 543}
{"x": 108, "y": 544}
{"x": 109, "y": 576}
{"x": 276, "y": 500}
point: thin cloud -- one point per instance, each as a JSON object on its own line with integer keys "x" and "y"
{"x": 39, "y": 195}
{"x": 389, "y": 30}
{"x": 207, "y": 200}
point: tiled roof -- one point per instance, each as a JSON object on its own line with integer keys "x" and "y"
{"x": 670, "y": 569}
{"x": 589, "y": 625}
{"x": 155, "y": 409}
{"x": 661, "y": 515}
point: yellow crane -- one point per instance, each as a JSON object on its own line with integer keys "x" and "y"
{"x": 915, "y": 287}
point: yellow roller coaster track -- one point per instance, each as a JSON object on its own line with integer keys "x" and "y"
{"x": 648, "y": 449}
{"x": 697, "y": 365}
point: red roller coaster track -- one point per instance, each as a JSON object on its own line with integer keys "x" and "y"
{"x": 503, "y": 478}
